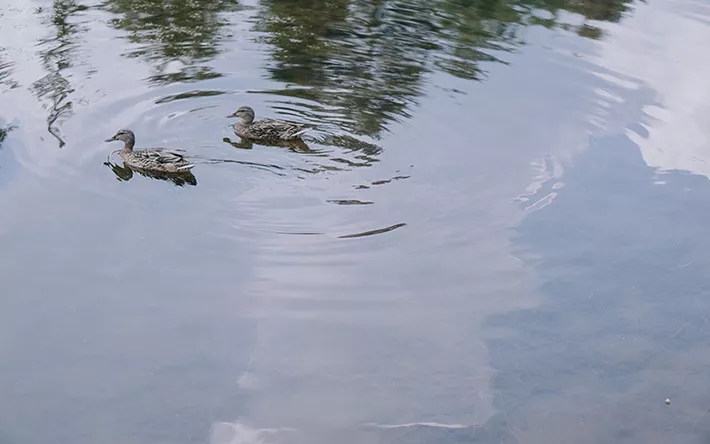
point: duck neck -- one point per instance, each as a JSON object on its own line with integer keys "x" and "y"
{"x": 128, "y": 146}
{"x": 246, "y": 121}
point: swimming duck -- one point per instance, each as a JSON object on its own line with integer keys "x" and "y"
{"x": 153, "y": 159}
{"x": 265, "y": 129}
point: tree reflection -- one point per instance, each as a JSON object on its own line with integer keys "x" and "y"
{"x": 363, "y": 72}
{"x": 3, "y": 133}
{"x": 600, "y": 10}
{"x": 57, "y": 54}
{"x": 365, "y": 62}
{"x": 4, "y": 130}
{"x": 6, "y": 67}
{"x": 177, "y": 36}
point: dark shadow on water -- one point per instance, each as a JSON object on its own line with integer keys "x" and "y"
{"x": 125, "y": 173}
{"x": 622, "y": 252}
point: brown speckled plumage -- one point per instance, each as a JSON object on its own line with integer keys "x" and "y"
{"x": 154, "y": 159}
{"x": 265, "y": 129}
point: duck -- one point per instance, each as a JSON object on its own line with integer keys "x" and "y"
{"x": 157, "y": 160}
{"x": 265, "y": 129}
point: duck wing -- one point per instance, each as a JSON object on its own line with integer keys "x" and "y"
{"x": 161, "y": 156}
{"x": 278, "y": 129}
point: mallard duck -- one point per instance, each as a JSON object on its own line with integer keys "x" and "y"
{"x": 153, "y": 159}
{"x": 265, "y": 129}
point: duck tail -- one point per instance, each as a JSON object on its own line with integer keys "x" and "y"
{"x": 187, "y": 167}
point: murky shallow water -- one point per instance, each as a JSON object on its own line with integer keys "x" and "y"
{"x": 496, "y": 232}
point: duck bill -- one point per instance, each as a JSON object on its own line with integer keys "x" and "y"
{"x": 110, "y": 139}
{"x": 232, "y": 115}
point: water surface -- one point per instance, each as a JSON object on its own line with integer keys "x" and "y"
{"x": 494, "y": 231}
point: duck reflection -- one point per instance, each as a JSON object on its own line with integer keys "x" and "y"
{"x": 296, "y": 145}
{"x": 352, "y": 152}
{"x": 125, "y": 173}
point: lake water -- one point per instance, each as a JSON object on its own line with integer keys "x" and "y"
{"x": 496, "y": 232}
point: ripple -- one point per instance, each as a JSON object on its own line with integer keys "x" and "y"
{"x": 420, "y": 424}
{"x": 349, "y": 202}
{"x": 189, "y": 95}
{"x": 238, "y": 433}
{"x": 381, "y": 182}
{"x": 372, "y": 232}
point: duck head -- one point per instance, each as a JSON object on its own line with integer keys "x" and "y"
{"x": 124, "y": 135}
{"x": 245, "y": 113}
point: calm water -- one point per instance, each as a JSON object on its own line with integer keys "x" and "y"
{"x": 496, "y": 231}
